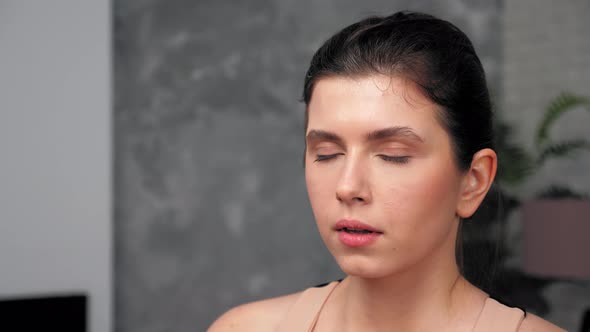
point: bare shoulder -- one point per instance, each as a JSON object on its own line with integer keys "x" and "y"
{"x": 260, "y": 316}
{"x": 533, "y": 323}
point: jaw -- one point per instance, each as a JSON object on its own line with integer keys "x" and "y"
{"x": 386, "y": 261}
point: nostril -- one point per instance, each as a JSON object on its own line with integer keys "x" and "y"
{"x": 351, "y": 199}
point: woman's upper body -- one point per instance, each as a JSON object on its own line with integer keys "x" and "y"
{"x": 308, "y": 311}
{"x": 398, "y": 152}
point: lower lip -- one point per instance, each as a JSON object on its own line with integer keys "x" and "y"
{"x": 357, "y": 239}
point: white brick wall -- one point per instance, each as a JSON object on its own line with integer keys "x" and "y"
{"x": 55, "y": 153}
{"x": 546, "y": 50}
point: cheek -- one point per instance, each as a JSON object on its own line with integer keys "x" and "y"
{"x": 321, "y": 198}
{"x": 317, "y": 190}
{"x": 423, "y": 200}
{"x": 437, "y": 190}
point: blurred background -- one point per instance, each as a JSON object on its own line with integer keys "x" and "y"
{"x": 152, "y": 154}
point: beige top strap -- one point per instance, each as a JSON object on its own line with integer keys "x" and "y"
{"x": 304, "y": 313}
{"x": 496, "y": 317}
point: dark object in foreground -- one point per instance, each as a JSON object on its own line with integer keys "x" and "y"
{"x": 64, "y": 313}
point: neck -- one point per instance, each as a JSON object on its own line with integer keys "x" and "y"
{"x": 430, "y": 297}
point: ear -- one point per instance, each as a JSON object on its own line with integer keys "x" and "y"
{"x": 477, "y": 181}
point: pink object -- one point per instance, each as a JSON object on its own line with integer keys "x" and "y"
{"x": 357, "y": 240}
{"x": 557, "y": 238}
{"x": 354, "y": 233}
{"x": 354, "y": 224}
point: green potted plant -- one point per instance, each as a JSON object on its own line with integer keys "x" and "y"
{"x": 556, "y": 223}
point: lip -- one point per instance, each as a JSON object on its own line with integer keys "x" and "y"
{"x": 354, "y": 239}
{"x": 355, "y": 224}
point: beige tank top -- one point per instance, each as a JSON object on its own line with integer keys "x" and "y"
{"x": 304, "y": 314}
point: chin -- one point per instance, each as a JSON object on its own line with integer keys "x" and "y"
{"x": 365, "y": 267}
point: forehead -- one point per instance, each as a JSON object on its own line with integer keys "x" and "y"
{"x": 370, "y": 98}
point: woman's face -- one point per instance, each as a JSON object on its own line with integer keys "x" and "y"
{"x": 380, "y": 174}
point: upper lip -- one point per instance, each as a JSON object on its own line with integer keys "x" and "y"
{"x": 354, "y": 224}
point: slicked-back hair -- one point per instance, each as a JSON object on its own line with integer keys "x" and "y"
{"x": 432, "y": 53}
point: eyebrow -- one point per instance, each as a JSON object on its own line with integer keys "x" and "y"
{"x": 392, "y": 132}
{"x": 316, "y": 135}
{"x": 377, "y": 135}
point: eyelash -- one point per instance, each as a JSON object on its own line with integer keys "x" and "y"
{"x": 395, "y": 159}
{"x": 325, "y": 157}
{"x": 391, "y": 159}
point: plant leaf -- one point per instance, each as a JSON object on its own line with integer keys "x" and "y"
{"x": 560, "y": 192}
{"x": 562, "y": 149}
{"x": 558, "y": 106}
{"x": 514, "y": 163}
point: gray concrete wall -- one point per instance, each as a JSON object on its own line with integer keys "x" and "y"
{"x": 210, "y": 203}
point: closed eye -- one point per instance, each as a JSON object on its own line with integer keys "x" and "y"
{"x": 326, "y": 157}
{"x": 395, "y": 159}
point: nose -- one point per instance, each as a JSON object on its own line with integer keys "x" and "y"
{"x": 353, "y": 185}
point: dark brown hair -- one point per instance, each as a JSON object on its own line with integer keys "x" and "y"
{"x": 432, "y": 53}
